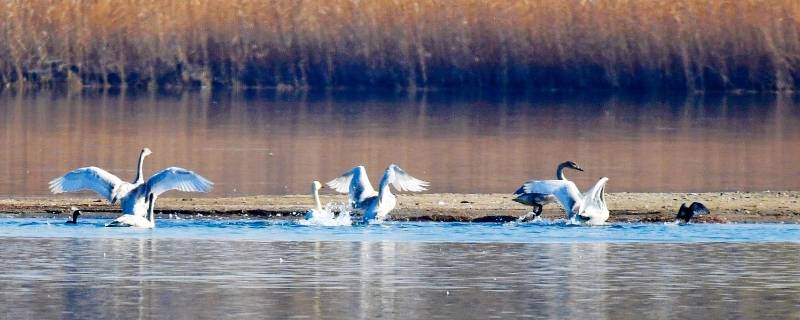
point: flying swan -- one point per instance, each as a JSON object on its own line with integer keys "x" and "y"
{"x": 589, "y": 207}
{"x": 135, "y": 197}
{"x": 538, "y": 200}
{"x": 375, "y": 205}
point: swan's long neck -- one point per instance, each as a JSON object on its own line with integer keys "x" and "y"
{"x": 384, "y": 187}
{"x": 560, "y": 172}
{"x": 151, "y": 203}
{"x": 317, "y": 203}
{"x": 139, "y": 175}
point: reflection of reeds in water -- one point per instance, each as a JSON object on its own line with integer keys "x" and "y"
{"x": 684, "y": 44}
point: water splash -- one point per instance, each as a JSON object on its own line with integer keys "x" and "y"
{"x": 327, "y": 217}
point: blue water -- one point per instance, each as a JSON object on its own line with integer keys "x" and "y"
{"x": 246, "y": 269}
{"x": 557, "y": 231}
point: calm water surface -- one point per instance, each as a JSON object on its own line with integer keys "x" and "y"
{"x": 210, "y": 269}
{"x": 273, "y": 143}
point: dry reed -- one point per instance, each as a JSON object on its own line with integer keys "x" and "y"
{"x": 542, "y": 44}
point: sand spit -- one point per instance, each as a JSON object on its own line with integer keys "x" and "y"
{"x": 764, "y": 207}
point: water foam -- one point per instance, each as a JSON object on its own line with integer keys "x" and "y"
{"x": 327, "y": 216}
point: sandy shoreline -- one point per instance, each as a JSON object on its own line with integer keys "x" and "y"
{"x": 764, "y": 207}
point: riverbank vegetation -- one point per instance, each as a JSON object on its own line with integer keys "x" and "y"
{"x": 689, "y": 45}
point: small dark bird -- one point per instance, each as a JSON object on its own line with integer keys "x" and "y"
{"x": 75, "y": 214}
{"x": 686, "y": 213}
{"x": 538, "y": 200}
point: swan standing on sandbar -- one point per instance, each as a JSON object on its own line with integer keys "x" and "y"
{"x": 134, "y": 197}
{"x": 589, "y": 207}
{"x": 376, "y": 205}
{"x": 538, "y": 200}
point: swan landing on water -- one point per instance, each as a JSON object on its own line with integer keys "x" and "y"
{"x": 538, "y": 200}
{"x": 375, "y": 205}
{"x": 135, "y": 197}
{"x": 319, "y": 216}
{"x": 589, "y": 207}
{"x": 317, "y": 211}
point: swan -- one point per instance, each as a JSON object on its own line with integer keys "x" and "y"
{"x": 686, "y": 213}
{"x": 133, "y": 197}
{"x": 589, "y": 207}
{"x": 130, "y": 220}
{"x": 376, "y": 205}
{"x": 319, "y": 216}
{"x": 74, "y": 218}
{"x": 317, "y": 211}
{"x": 538, "y": 200}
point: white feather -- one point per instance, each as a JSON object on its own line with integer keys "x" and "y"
{"x": 87, "y": 178}
{"x": 174, "y": 178}
{"x": 402, "y": 181}
{"x": 565, "y": 191}
{"x": 133, "y": 197}
{"x": 590, "y": 205}
{"x": 129, "y": 220}
{"x": 355, "y": 183}
{"x": 376, "y": 205}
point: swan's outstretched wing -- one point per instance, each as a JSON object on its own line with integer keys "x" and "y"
{"x": 87, "y": 178}
{"x": 593, "y": 206}
{"x": 356, "y": 183}
{"x": 180, "y": 179}
{"x": 521, "y": 190}
{"x": 564, "y": 190}
{"x": 403, "y": 181}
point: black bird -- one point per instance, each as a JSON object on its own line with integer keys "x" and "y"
{"x": 686, "y": 213}
{"x": 75, "y": 214}
{"x": 538, "y": 200}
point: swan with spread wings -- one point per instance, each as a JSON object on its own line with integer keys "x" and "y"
{"x": 376, "y": 205}
{"x": 589, "y": 207}
{"x": 136, "y": 198}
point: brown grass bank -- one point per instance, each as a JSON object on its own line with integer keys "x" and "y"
{"x": 536, "y": 44}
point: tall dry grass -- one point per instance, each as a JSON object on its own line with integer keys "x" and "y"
{"x": 598, "y": 44}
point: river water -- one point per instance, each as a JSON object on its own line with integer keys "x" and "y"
{"x": 211, "y": 269}
{"x": 276, "y": 143}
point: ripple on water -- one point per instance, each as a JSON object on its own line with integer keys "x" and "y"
{"x": 541, "y": 231}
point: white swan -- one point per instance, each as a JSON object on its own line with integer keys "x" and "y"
{"x": 133, "y": 197}
{"x": 137, "y": 221}
{"x": 317, "y": 212}
{"x": 589, "y": 207}
{"x": 538, "y": 200}
{"x": 319, "y": 216}
{"x": 376, "y": 205}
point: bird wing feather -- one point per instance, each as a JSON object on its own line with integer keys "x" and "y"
{"x": 87, "y": 178}
{"x": 403, "y": 181}
{"x": 174, "y": 178}
{"x": 565, "y": 191}
{"x": 356, "y": 183}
